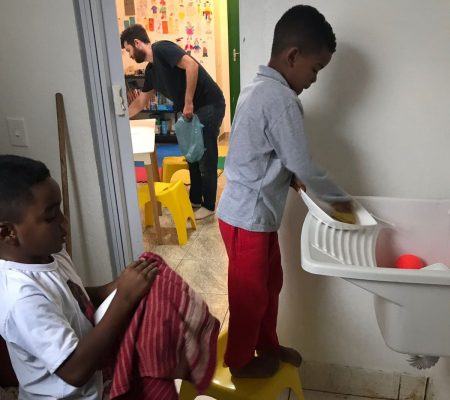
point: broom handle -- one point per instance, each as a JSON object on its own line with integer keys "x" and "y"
{"x": 62, "y": 135}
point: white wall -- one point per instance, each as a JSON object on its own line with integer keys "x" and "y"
{"x": 378, "y": 120}
{"x": 382, "y": 103}
{"x": 40, "y": 57}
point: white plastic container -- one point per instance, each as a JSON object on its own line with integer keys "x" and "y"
{"x": 100, "y": 312}
{"x": 412, "y": 306}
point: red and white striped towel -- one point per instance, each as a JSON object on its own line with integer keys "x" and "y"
{"x": 172, "y": 335}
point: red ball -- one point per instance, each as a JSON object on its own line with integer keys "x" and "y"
{"x": 409, "y": 261}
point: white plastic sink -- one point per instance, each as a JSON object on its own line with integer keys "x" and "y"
{"x": 412, "y": 306}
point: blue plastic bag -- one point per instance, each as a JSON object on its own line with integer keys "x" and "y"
{"x": 190, "y": 138}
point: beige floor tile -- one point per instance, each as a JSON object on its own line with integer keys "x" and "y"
{"x": 412, "y": 387}
{"x": 208, "y": 246}
{"x": 313, "y": 395}
{"x": 218, "y": 305}
{"x": 172, "y": 255}
{"x": 205, "y": 275}
{"x": 354, "y": 381}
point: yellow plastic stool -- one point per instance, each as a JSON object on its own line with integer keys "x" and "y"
{"x": 174, "y": 197}
{"x": 225, "y": 387}
{"x": 171, "y": 165}
{"x": 181, "y": 175}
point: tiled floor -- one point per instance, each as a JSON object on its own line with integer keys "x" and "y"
{"x": 202, "y": 262}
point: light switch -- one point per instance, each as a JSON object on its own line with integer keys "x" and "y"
{"x": 17, "y": 132}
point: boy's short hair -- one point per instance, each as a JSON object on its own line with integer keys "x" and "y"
{"x": 305, "y": 28}
{"x": 17, "y": 176}
{"x": 134, "y": 32}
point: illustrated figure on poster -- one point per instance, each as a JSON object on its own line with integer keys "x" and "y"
{"x": 207, "y": 12}
{"x": 197, "y": 48}
{"x": 165, "y": 27}
{"x": 205, "y": 50}
{"x": 151, "y": 24}
{"x": 188, "y": 46}
{"x": 154, "y": 9}
{"x": 163, "y": 12}
{"x": 189, "y": 30}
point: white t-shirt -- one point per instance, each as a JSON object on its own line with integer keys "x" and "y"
{"x": 41, "y": 320}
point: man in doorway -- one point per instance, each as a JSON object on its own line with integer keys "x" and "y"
{"x": 179, "y": 77}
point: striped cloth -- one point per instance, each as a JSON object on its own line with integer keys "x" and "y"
{"x": 171, "y": 335}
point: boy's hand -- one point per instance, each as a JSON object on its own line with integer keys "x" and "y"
{"x": 89, "y": 355}
{"x": 343, "y": 212}
{"x": 297, "y": 184}
{"x": 136, "y": 280}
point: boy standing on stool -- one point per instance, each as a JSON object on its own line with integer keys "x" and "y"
{"x": 46, "y": 316}
{"x": 268, "y": 152}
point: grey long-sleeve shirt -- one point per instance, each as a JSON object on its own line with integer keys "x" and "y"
{"x": 267, "y": 146}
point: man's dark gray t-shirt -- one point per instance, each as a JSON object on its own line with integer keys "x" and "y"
{"x": 164, "y": 76}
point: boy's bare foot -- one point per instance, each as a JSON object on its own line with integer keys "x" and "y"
{"x": 285, "y": 354}
{"x": 258, "y": 367}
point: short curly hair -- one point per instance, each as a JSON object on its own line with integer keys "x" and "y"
{"x": 17, "y": 176}
{"x": 303, "y": 27}
{"x": 134, "y": 32}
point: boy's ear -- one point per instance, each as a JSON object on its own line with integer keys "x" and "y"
{"x": 292, "y": 55}
{"x": 8, "y": 233}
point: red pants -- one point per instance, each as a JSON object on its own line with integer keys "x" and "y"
{"x": 255, "y": 278}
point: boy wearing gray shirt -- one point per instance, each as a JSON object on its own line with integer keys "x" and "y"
{"x": 268, "y": 152}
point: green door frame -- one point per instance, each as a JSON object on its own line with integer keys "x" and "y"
{"x": 233, "y": 53}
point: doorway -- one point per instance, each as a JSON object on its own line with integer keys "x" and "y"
{"x": 202, "y": 261}
{"x": 234, "y": 53}
{"x": 206, "y": 31}
{"x": 99, "y": 38}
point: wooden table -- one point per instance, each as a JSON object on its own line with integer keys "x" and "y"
{"x": 144, "y": 149}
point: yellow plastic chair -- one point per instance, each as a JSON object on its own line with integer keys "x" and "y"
{"x": 174, "y": 197}
{"x": 171, "y": 165}
{"x": 181, "y": 175}
{"x": 226, "y": 387}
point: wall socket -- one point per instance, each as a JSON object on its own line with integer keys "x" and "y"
{"x": 17, "y": 133}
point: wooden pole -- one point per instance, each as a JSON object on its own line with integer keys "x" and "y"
{"x": 62, "y": 136}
